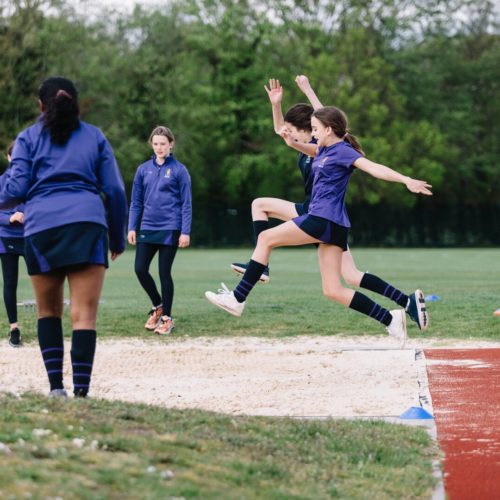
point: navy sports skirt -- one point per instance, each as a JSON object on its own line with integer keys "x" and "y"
{"x": 12, "y": 245}
{"x": 64, "y": 246}
{"x": 163, "y": 237}
{"x": 323, "y": 229}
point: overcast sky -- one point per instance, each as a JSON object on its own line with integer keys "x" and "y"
{"x": 128, "y": 5}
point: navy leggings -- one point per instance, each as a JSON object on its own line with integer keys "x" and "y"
{"x": 10, "y": 270}
{"x": 166, "y": 254}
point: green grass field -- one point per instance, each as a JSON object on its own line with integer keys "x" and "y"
{"x": 95, "y": 449}
{"x": 136, "y": 451}
{"x": 293, "y": 304}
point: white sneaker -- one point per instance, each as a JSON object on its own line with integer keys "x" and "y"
{"x": 397, "y": 327}
{"x": 225, "y": 299}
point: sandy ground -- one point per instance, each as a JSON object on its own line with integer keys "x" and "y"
{"x": 304, "y": 376}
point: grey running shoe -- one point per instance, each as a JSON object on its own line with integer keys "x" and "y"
{"x": 417, "y": 311}
{"x": 397, "y": 327}
{"x": 241, "y": 268}
{"x": 15, "y": 338}
{"x": 58, "y": 393}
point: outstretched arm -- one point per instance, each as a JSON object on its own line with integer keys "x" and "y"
{"x": 388, "y": 174}
{"x": 303, "y": 83}
{"x": 275, "y": 94}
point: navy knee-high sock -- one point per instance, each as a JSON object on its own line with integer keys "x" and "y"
{"x": 82, "y": 359}
{"x": 50, "y": 338}
{"x": 377, "y": 285}
{"x": 365, "y": 305}
{"x": 250, "y": 278}
{"x": 259, "y": 226}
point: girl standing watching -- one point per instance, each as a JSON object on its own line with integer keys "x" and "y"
{"x": 160, "y": 222}
{"x": 11, "y": 248}
{"x": 326, "y": 222}
{"x": 65, "y": 171}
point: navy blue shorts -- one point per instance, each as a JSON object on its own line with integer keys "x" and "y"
{"x": 12, "y": 245}
{"x": 302, "y": 208}
{"x": 68, "y": 245}
{"x": 323, "y": 229}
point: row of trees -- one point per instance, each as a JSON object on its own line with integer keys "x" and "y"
{"x": 418, "y": 80}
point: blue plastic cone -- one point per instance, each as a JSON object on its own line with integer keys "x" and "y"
{"x": 415, "y": 413}
{"x": 432, "y": 298}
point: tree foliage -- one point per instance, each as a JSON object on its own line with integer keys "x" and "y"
{"x": 418, "y": 80}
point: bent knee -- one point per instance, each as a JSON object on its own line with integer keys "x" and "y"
{"x": 259, "y": 204}
{"x": 266, "y": 239}
{"x": 140, "y": 270}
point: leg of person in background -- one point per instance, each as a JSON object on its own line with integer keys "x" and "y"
{"x": 144, "y": 254}
{"x": 85, "y": 285}
{"x": 413, "y": 304}
{"x": 10, "y": 271}
{"x": 166, "y": 256}
{"x": 262, "y": 210}
{"x": 286, "y": 234}
{"x": 49, "y": 289}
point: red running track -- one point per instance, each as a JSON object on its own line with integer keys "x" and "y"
{"x": 465, "y": 390}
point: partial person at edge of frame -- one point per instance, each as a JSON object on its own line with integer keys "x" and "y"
{"x": 65, "y": 171}
{"x": 297, "y": 120}
{"x": 11, "y": 248}
{"x": 336, "y": 155}
{"x": 160, "y": 222}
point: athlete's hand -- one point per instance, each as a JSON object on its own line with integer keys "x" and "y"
{"x": 114, "y": 255}
{"x": 275, "y": 91}
{"x": 303, "y": 83}
{"x": 132, "y": 237}
{"x": 184, "y": 240}
{"x": 17, "y": 217}
{"x": 287, "y": 137}
{"x": 419, "y": 187}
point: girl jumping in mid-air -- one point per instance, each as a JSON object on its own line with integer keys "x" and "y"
{"x": 160, "y": 222}
{"x": 297, "y": 121}
{"x": 336, "y": 155}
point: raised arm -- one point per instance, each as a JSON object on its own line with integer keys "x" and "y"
{"x": 388, "y": 174}
{"x": 275, "y": 94}
{"x": 303, "y": 83}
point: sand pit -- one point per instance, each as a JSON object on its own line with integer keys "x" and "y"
{"x": 303, "y": 377}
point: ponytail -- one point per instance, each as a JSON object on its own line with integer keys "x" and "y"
{"x": 61, "y": 113}
{"x": 353, "y": 141}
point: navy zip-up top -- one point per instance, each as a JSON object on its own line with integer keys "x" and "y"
{"x": 7, "y": 229}
{"x": 161, "y": 194}
{"x": 64, "y": 184}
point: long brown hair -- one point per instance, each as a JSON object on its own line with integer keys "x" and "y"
{"x": 335, "y": 118}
